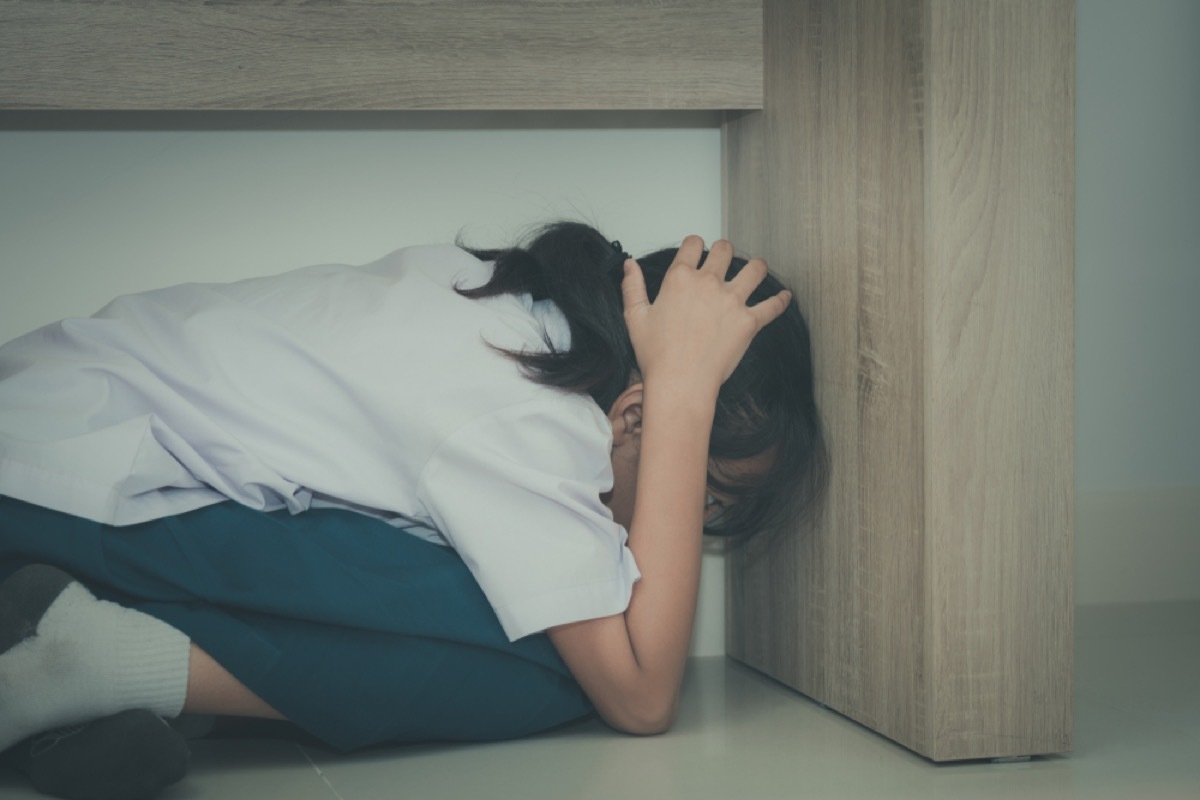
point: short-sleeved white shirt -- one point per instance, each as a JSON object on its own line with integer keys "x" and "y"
{"x": 376, "y": 388}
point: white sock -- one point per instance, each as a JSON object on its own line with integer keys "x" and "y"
{"x": 90, "y": 658}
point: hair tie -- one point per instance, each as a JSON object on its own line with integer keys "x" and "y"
{"x": 616, "y": 246}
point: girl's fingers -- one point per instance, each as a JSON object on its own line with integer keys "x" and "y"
{"x": 719, "y": 257}
{"x": 771, "y": 308}
{"x": 633, "y": 287}
{"x": 749, "y": 277}
{"x": 689, "y": 252}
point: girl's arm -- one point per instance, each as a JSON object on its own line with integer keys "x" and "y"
{"x": 687, "y": 343}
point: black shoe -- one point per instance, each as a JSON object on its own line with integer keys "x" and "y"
{"x": 24, "y": 598}
{"x": 127, "y": 756}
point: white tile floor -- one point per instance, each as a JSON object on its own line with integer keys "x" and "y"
{"x": 741, "y": 735}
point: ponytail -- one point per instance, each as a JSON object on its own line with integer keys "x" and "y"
{"x": 575, "y": 267}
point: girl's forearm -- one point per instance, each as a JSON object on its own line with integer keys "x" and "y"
{"x": 666, "y": 534}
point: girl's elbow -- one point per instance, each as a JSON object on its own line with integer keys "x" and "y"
{"x": 646, "y": 720}
{"x": 654, "y": 727}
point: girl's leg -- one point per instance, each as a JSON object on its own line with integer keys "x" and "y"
{"x": 65, "y": 683}
{"x": 357, "y": 633}
{"x": 67, "y": 657}
{"x": 212, "y": 690}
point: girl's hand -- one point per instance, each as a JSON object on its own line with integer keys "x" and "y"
{"x": 699, "y": 326}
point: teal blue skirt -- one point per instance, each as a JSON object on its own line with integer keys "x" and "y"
{"x": 358, "y": 633}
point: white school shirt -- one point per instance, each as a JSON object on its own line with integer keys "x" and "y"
{"x": 372, "y": 388}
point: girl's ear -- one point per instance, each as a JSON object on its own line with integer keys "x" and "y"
{"x": 626, "y": 416}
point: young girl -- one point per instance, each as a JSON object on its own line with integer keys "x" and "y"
{"x": 551, "y": 428}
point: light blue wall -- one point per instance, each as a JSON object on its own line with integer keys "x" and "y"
{"x": 1138, "y": 244}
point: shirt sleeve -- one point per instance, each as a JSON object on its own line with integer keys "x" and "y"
{"x": 517, "y": 494}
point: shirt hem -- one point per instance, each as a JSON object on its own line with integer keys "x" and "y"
{"x": 574, "y": 604}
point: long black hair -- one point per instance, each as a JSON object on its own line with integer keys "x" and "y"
{"x": 766, "y": 408}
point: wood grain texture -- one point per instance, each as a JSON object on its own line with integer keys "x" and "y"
{"x": 890, "y": 178}
{"x": 380, "y": 54}
{"x": 999, "y": 424}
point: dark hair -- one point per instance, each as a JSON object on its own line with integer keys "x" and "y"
{"x": 765, "y": 408}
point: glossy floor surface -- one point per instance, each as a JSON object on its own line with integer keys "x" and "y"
{"x": 741, "y": 735}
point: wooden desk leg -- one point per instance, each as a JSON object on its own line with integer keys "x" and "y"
{"x": 912, "y": 174}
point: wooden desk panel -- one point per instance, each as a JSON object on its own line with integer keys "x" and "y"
{"x": 381, "y": 54}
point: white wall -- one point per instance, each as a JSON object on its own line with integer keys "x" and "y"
{"x": 1138, "y": 292}
{"x": 87, "y": 215}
